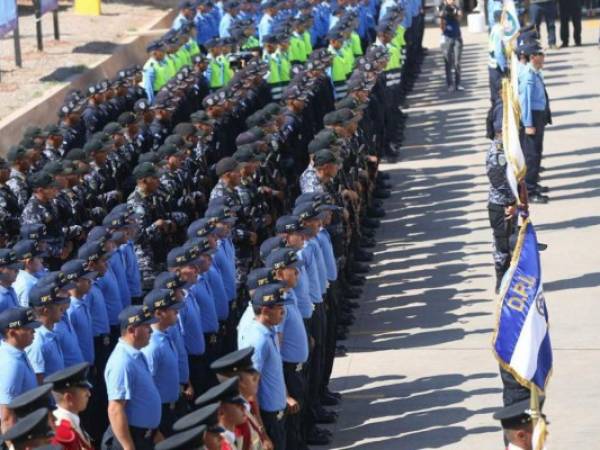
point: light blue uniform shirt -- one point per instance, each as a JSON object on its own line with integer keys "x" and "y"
{"x": 267, "y": 361}
{"x": 264, "y": 27}
{"x": 45, "y": 353}
{"x": 294, "y": 345}
{"x": 242, "y": 328}
{"x": 312, "y": 268}
{"x": 215, "y": 281}
{"x": 179, "y": 21}
{"x": 8, "y": 298}
{"x": 69, "y": 342}
{"x": 117, "y": 265}
{"x": 226, "y": 266}
{"x": 98, "y": 311}
{"x": 132, "y": 269}
{"x": 112, "y": 297}
{"x": 128, "y": 378}
{"x": 532, "y": 95}
{"x": 81, "y": 321}
{"x": 305, "y": 305}
{"x": 22, "y": 285}
{"x": 208, "y": 313}
{"x": 224, "y": 25}
{"x": 16, "y": 376}
{"x": 161, "y": 355}
{"x": 322, "y": 270}
{"x": 190, "y": 325}
{"x": 328, "y": 256}
{"x": 182, "y": 357}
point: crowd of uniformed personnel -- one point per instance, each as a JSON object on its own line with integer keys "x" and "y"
{"x": 222, "y": 197}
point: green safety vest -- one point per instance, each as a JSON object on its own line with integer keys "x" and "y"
{"x": 356, "y": 44}
{"x": 160, "y": 75}
{"x": 274, "y": 74}
{"x": 251, "y": 43}
{"x": 307, "y": 43}
{"x": 216, "y": 79}
{"x": 297, "y": 50}
{"x": 171, "y": 69}
{"x": 183, "y": 58}
{"x": 193, "y": 48}
{"x": 285, "y": 67}
{"x": 394, "y": 58}
{"x": 338, "y": 66}
{"x": 348, "y": 56}
{"x": 227, "y": 71}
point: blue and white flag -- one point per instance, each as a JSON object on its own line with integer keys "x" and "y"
{"x": 510, "y": 20}
{"x": 521, "y": 340}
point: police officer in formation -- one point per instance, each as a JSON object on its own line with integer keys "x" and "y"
{"x": 192, "y": 237}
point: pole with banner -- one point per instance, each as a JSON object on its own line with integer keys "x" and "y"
{"x": 9, "y": 21}
{"x": 41, "y": 7}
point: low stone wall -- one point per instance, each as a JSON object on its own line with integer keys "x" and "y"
{"x": 43, "y": 111}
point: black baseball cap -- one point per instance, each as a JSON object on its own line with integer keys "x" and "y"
{"x": 136, "y": 315}
{"x": 18, "y": 317}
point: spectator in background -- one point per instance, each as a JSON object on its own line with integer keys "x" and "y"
{"x": 570, "y": 10}
{"x": 544, "y": 9}
{"x": 451, "y": 42}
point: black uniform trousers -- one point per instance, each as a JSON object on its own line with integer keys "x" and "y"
{"x": 332, "y": 309}
{"x": 143, "y": 439}
{"x": 495, "y": 84}
{"x": 297, "y": 388}
{"x": 201, "y": 377}
{"x": 570, "y": 10}
{"x": 502, "y": 230}
{"x": 318, "y": 331}
{"x": 275, "y": 426}
{"x": 533, "y": 147}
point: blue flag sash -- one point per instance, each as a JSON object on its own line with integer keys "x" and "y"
{"x": 521, "y": 341}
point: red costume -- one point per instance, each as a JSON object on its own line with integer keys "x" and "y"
{"x": 66, "y": 436}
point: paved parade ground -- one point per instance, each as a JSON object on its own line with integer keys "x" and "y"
{"x": 419, "y": 372}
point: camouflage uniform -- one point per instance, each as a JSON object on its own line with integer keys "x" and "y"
{"x": 152, "y": 244}
{"x": 18, "y": 184}
{"x": 309, "y": 182}
{"x": 46, "y": 213}
{"x": 499, "y": 197}
{"x": 9, "y": 211}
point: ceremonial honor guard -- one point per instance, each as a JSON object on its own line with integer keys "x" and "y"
{"x": 30, "y": 432}
{"x": 71, "y": 391}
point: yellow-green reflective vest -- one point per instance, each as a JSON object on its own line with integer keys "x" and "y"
{"x": 160, "y": 75}
{"x": 356, "y": 44}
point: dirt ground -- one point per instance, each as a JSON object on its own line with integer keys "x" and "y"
{"x": 84, "y": 41}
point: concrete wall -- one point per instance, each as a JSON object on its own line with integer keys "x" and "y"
{"x": 43, "y": 111}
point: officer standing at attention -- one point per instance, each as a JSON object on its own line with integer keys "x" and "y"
{"x": 268, "y": 303}
{"x": 45, "y": 353}
{"x": 497, "y": 62}
{"x": 501, "y": 201}
{"x": 231, "y": 11}
{"x": 134, "y": 408}
{"x": 162, "y": 356}
{"x": 265, "y": 26}
{"x": 155, "y": 70}
{"x": 71, "y": 392}
{"x": 185, "y": 16}
{"x": 17, "y": 375}
{"x": 9, "y": 265}
{"x": 534, "y": 115}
